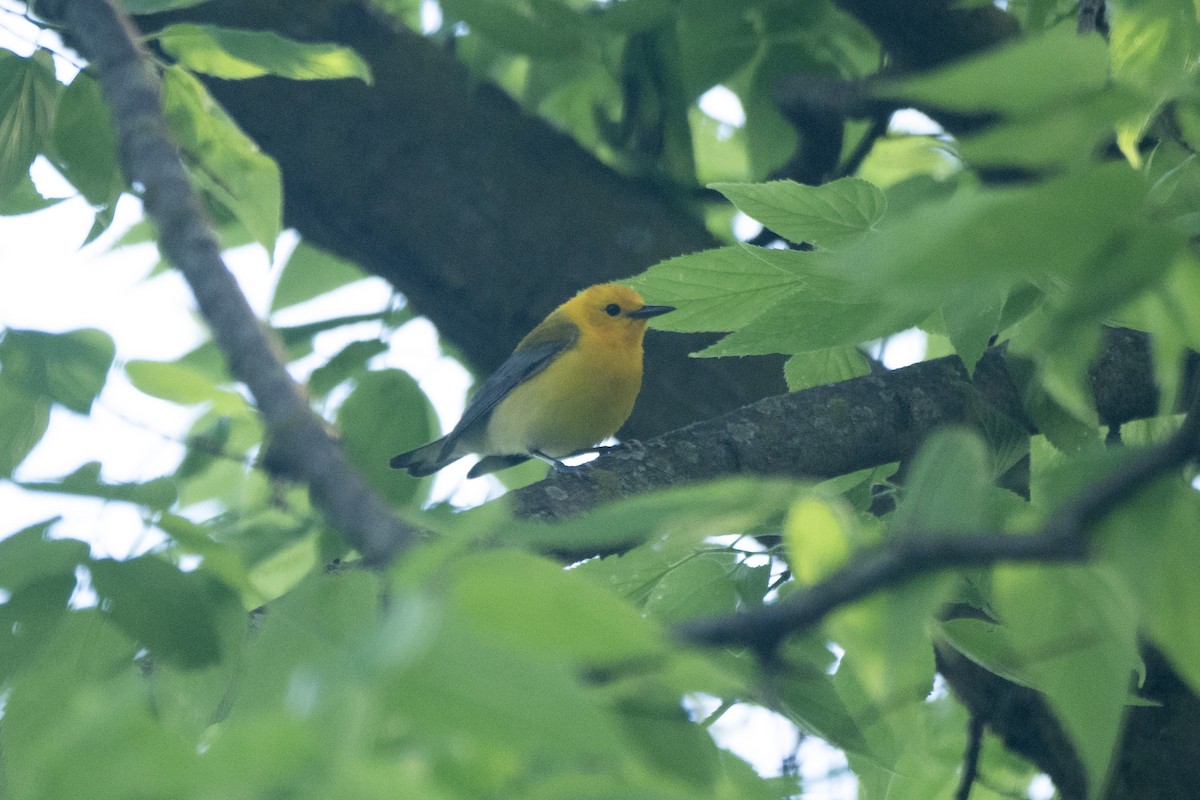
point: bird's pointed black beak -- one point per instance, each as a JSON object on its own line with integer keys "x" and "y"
{"x": 645, "y": 312}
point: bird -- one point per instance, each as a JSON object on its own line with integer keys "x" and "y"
{"x": 568, "y": 385}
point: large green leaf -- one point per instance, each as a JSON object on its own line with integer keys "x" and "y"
{"x": 154, "y": 494}
{"x": 85, "y": 147}
{"x": 29, "y": 555}
{"x": 24, "y": 418}
{"x": 385, "y": 414}
{"x": 671, "y": 518}
{"x": 28, "y": 92}
{"x": 831, "y": 215}
{"x": 24, "y": 198}
{"x": 179, "y": 383}
{"x": 807, "y": 322}
{"x": 724, "y": 289}
{"x": 1152, "y": 542}
{"x": 1075, "y": 629}
{"x": 1028, "y": 75}
{"x": 537, "y": 29}
{"x": 178, "y": 616}
{"x": 223, "y": 161}
{"x": 535, "y": 605}
{"x": 700, "y": 586}
{"x": 68, "y": 368}
{"x": 234, "y": 53}
{"x": 817, "y": 367}
{"x": 947, "y": 486}
{"x": 310, "y": 272}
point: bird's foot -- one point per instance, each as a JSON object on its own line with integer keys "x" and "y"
{"x": 558, "y": 465}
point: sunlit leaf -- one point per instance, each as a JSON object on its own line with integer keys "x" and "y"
{"x": 830, "y": 215}
{"x": 235, "y": 53}
{"x": 224, "y": 161}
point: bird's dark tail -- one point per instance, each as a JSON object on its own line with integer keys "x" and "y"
{"x": 426, "y": 459}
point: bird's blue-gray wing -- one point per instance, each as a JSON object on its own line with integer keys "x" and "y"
{"x": 531, "y": 357}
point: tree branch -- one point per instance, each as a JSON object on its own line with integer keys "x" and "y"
{"x": 299, "y": 446}
{"x": 1065, "y": 536}
{"x": 838, "y": 428}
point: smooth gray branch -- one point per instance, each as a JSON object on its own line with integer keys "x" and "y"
{"x": 299, "y": 446}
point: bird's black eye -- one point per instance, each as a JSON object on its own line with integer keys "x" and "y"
{"x": 612, "y": 309}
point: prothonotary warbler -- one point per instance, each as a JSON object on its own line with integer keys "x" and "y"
{"x": 570, "y": 384}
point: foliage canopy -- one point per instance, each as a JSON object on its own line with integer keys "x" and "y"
{"x": 1057, "y": 197}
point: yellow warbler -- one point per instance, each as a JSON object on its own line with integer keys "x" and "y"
{"x": 570, "y": 384}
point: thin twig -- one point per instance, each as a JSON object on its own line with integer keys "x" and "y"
{"x": 299, "y": 446}
{"x": 971, "y": 757}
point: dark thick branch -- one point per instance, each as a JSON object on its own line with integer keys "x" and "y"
{"x": 1065, "y": 536}
{"x": 299, "y": 445}
{"x": 835, "y": 429}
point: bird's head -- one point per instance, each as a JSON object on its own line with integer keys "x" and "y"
{"x": 612, "y": 310}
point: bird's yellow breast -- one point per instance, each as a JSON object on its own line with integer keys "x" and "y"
{"x": 577, "y": 401}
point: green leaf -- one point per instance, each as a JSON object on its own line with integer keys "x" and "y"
{"x": 510, "y": 25}
{"x": 819, "y": 367}
{"x": 536, "y": 606}
{"x": 656, "y": 724}
{"x": 220, "y": 559}
{"x": 818, "y": 536}
{"x": 1085, "y": 660}
{"x": 24, "y": 198}
{"x": 30, "y": 555}
{"x": 947, "y": 486}
{"x": 177, "y": 615}
{"x": 699, "y": 587}
{"x": 156, "y": 6}
{"x": 233, "y": 53}
{"x": 707, "y": 509}
{"x": 28, "y": 91}
{"x": 1154, "y": 44}
{"x": 988, "y": 645}
{"x": 349, "y": 362}
{"x": 1067, "y": 133}
{"x": 311, "y": 272}
{"x": 1033, "y": 73}
{"x": 972, "y": 318}
{"x": 830, "y": 216}
{"x": 180, "y": 384}
{"x": 68, "y": 368}
{"x": 724, "y": 289}
{"x": 24, "y": 418}
{"x": 29, "y": 618}
{"x": 808, "y": 698}
{"x": 469, "y": 686}
{"x": 807, "y": 322}
{"x": 1151, "y": 542}
{"x": 223, "y": 161}
{"x": 715, "y": 41}
{"x": 966, "y": 243}
{"x": 85, "y": 147}
{"x": 85, "y": 481}
{"x": 387, "y": 413}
